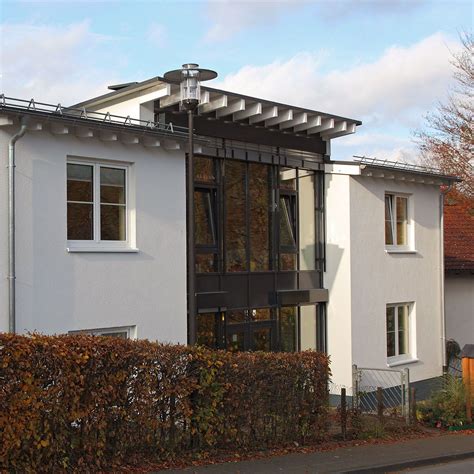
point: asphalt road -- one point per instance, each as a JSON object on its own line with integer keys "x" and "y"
{"x": 456, "y": 467}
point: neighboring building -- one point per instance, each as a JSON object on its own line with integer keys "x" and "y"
{"x": 459, "y": 268}
{"x": 290, "y": 250}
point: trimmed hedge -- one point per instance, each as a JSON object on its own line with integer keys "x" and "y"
{"x": 84, "y": 402}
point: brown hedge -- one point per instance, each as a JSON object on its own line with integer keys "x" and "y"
{"x": 86, "y": 403}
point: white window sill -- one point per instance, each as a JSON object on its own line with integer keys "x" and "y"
{"x": 409, "y": 360}
{"x": 102, "y": 250}
{"x": 408, "y": 251}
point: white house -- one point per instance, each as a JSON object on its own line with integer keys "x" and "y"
{"x": 292, "y": 250}
{"x": 384, "y": 249}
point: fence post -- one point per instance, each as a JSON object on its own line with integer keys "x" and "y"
{"x": 406, "y": 373}
{"x": 355, "y": 388}
{"x": 380, "y": 403}
{"x": 343, "y": 413}
{"x": 413, "y": 404}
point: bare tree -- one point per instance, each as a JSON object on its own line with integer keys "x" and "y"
{"x": 446, "y": 142}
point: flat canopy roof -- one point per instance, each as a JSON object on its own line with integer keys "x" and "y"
{"x": 239, "y": 108}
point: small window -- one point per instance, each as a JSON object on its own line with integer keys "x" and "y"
{"x": 97, "y": 204}
{"x": 396, "y": 221}
{"x": 122, "y": 332}
{"x": 398, "y": 330}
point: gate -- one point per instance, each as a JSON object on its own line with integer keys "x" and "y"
{"x": 392, "y": 384}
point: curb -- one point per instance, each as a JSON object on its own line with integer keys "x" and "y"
{"x": 412, "y": 464}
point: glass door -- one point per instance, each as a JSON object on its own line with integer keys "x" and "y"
{"x": 250, "y": 337}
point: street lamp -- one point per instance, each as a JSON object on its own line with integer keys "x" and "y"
{"x": 189, "y": 78}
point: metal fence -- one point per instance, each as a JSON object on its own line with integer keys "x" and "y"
{"x": 455, "y": 366}
{"x": 386, "y": 389}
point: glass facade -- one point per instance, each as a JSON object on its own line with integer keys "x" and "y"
{"x": 254, "y": 224}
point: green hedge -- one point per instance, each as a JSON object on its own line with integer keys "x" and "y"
{"x": 84, "y": 402}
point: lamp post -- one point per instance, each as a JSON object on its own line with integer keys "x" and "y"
{"x": 189, "y": 77}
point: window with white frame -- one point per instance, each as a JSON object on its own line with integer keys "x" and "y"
{"x": 398, "y": 331}
{"x": 396, "y": 220}
{"x": 97, "y": 203}
{"x": 122, "y": 332}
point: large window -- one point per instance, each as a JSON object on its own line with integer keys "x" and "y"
{"x": 205, "y": 215}
{"x": 96, "y": 204}
{"x": 396, "y": 221}
{"x": 254, "y": 217}
{"x": 398, "y": 331}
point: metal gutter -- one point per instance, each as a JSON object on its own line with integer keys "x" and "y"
{"x": 83, "y": 117}
{"x": 398, "y": 166}
{"x": 11, "y": 228}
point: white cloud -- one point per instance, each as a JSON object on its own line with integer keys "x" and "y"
{"x": 230, "y": 17}
{"x": 398, "y": 87}
{"x": 157, "y": 34}
{"x": 54, "y": 63}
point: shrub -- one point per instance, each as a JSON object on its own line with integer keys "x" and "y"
{"x": 84, "y": 403}
{"x": 447, "y": 406}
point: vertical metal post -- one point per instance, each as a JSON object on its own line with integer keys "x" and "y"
{"x": 343, "y": 413}
{"x": 380, "y": 406}
{"x": 413, "y": 405}
{"x": 406, "y": 394}
{"x": 190, "y": 235}
{"x": 355, "y": 387}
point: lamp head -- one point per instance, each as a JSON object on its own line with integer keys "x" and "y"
{"x": 189, "y": 78}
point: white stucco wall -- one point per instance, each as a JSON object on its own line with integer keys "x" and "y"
{"x": 362, "y": 278}
{"x": 459, "y": 304}
{"x": 337, "y": 278}
{"x": 59, "y": 291}
{"x": 380, "y": 278}
{"x": 138, "y": 104}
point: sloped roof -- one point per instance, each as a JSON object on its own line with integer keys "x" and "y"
{"x": 459, "y": 234}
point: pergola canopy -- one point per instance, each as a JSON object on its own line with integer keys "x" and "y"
{"x": 232, "y": 107}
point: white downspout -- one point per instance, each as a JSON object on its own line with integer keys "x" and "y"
{"x": 11, "y": 228}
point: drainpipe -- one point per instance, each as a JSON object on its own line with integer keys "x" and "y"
{"x": 11, "y": 227}
{"x": 441, "y": 252}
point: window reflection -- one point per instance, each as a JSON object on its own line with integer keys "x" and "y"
{"x": 287, "y": 221}
{"x": 206, "y": 330}
{"x": 259, "y": 190}
{"x": 306, "y": 220}
{"x": 235, "y": 222}
{"x": 288, "y": 179}
{"x": 206, "y": 262}
{"x": 204, "y": 208}
{"x": 288, "y": 328}
{"x": 80, "y": 218}
{"x": 204, "y": 170}
{"x": 112, "y": 204}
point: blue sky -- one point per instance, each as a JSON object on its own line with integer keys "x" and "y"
{"x": 385, "y": 62}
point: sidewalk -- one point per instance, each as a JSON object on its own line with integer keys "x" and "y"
{"x": 358, "y": 459}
